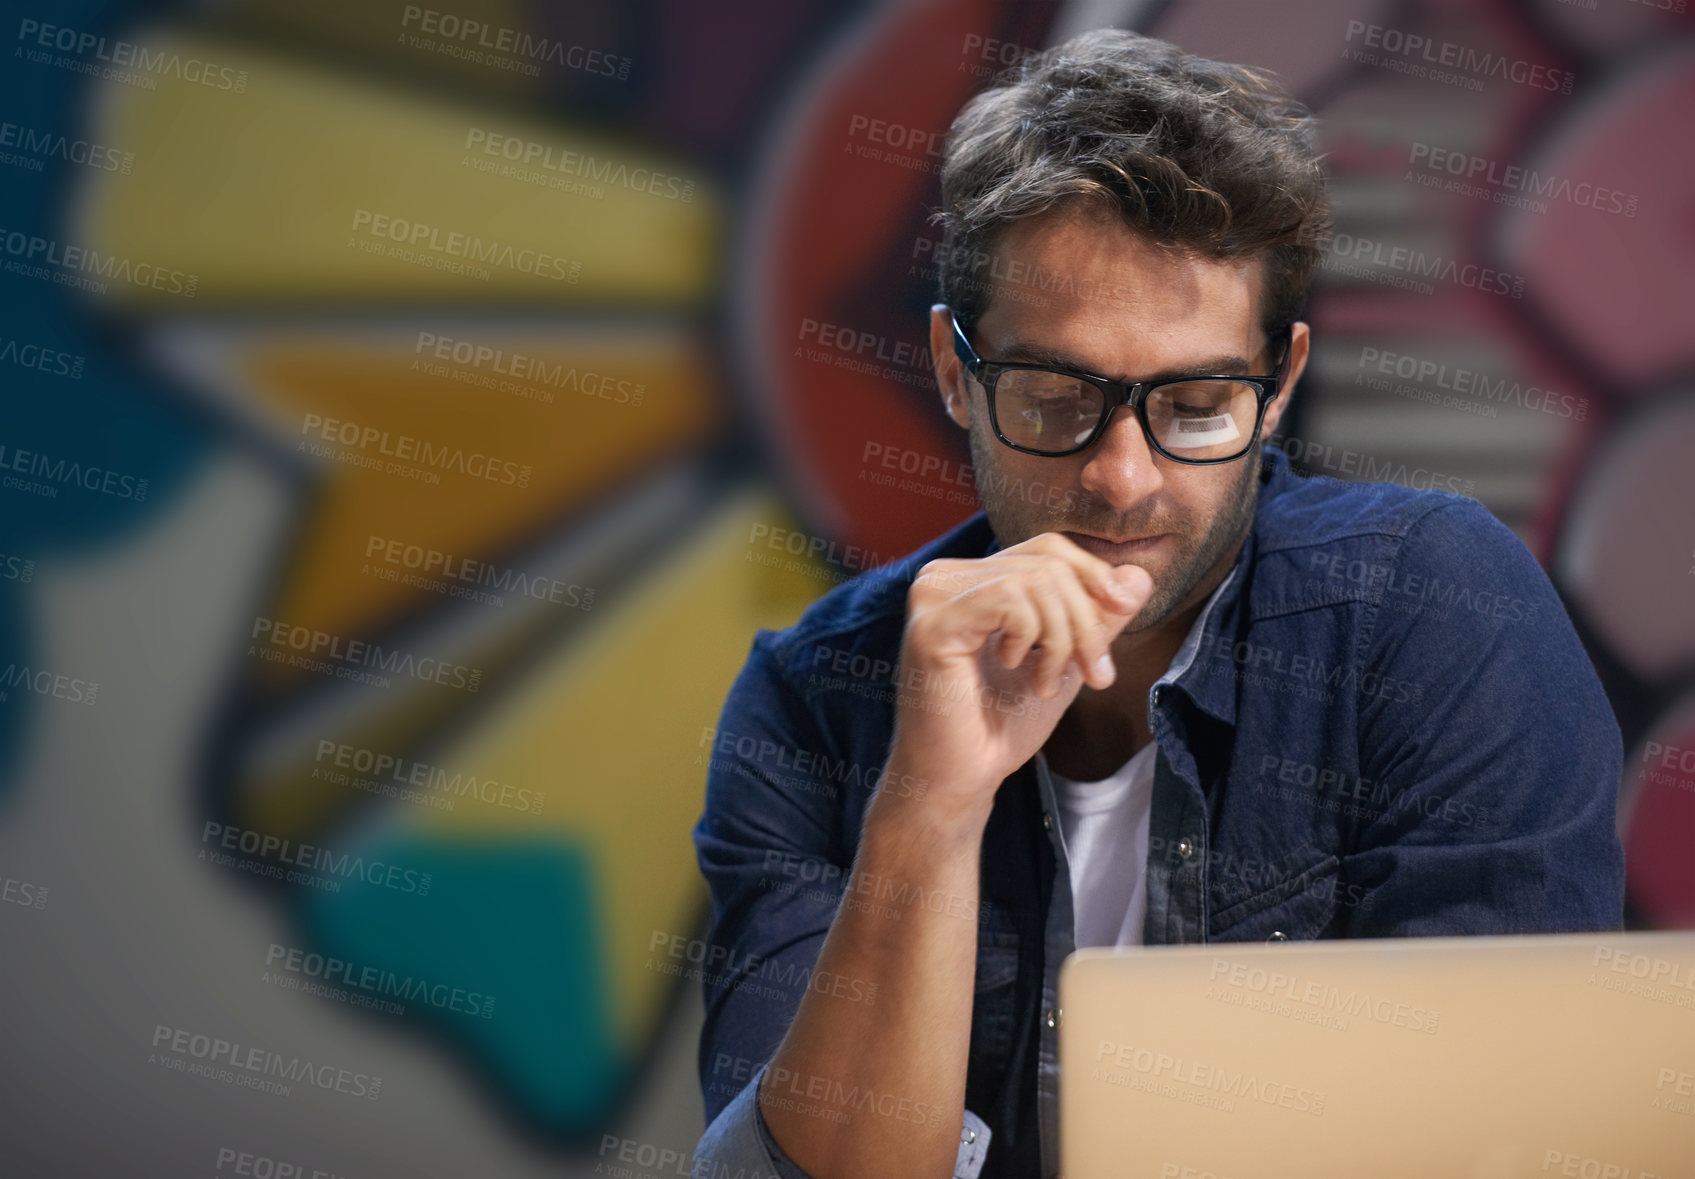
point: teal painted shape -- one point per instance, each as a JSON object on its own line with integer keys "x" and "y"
{"x": 514, "y": 920}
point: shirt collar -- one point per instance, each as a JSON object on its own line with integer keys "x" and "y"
{"x": 1208, "y": 681}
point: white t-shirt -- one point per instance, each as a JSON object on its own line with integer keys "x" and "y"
{"x": 1103, "y": 827}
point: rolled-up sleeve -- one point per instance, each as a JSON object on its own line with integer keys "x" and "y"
{"x": 738, "y": 1142}
{"x": 1492, "y": 745}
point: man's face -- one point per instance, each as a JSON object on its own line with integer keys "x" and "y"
{"x": 1080, "y": 291}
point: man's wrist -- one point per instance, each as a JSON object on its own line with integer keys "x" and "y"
{"x": 930, "y": 825}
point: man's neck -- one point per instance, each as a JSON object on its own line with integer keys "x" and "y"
{"x": 1103, "y": 729}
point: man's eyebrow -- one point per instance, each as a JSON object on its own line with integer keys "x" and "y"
{"x": 1021, "y": 353}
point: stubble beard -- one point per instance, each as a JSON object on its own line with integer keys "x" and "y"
{"x": 1016, "y": 519}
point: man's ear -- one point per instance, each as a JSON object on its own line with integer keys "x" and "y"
{"x": 1300, "y": 340}
{"x": 950, "y": 374}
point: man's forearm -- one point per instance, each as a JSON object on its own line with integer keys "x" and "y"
{"x": 878, "y": 1088}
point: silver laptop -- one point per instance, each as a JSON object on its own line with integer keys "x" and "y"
{"x": 1422, "y": 1058}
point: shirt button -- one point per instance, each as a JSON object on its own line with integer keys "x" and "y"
{"x": 1047, "y": 820}
{"x": 1053, "y": 1018}
{"x": 970, "y": 1137}
{"x": 1186, "y": 848}
{"x": 1277, "y": 935}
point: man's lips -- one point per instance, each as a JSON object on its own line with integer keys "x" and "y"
{"x": 1101, "y": 546}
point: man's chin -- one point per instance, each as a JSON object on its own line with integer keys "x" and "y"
{"x": 1149, "y": 616}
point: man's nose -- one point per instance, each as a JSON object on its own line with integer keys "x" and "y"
{"x": 1120, "y": 467}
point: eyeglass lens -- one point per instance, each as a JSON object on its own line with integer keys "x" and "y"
{"x": 1200, "y": 419}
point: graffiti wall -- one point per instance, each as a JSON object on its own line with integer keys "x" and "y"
{"x": 411, "y": 412}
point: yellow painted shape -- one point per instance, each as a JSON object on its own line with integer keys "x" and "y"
{"x": 575, "y": 448}
{"x": 274, "y": 193}
{"x": 611, "y": 733}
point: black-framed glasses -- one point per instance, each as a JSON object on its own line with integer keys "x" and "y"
{"x": 1050, "y": 411}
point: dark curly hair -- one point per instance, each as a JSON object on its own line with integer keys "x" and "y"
{"x": 1198, "y": 156}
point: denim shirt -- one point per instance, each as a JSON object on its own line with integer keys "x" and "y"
{"x": 1383, "y": 724}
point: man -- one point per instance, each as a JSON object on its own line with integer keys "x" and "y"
{"x": 1193, "y": 697}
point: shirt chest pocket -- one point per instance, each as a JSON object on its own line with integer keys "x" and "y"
{"x": 1298, "y": 900}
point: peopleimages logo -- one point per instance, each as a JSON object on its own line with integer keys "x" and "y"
{"x": 343, "y": 763}
{"x": 378, "y": 444}
{"x": 1465, "y": 381}
{"x": 1421, "y": 56}
{"x": 46, "y": 683}
{"x": 175, "y": 1043}
{"x": 33, "y": 256}
{"x": 908, "y": 147}
{"x": 722, "y": 965}
{"x": 278, "y": 852}
{"x": 353, "y": 659}
{"x": 118, "y": 52}
{"x": 1192, "y": 1080}
{"x": 385, "y": 984}
{"x": 818, "y": 772}
{"x": 1263, "y": 657}
{"x": 416, "y": 235}
{"x": 616, "y": 173}
{"x": 1354, "y": 796}
{"x": 1317, "y": 456}
{"x": 1022, "y": 281}
{"x": 865, "y": 352}
{"x": 1480, "y": 169}
{"x": 527, "y": 369}
{"x": 465, "y": 33}
{"x": 23, "y": 893}
{"x": 1385, "y": 581}
{"x": 51, "y": 362}
{"x": 1407, "y": 266}
{"x": 850, "y": 557}
{"x": 1324, "y": 996}
{"x": 463, "y": 577}
{"x": 48, "y": 473}
{"x": 35, "y": 145}
{"x": 835, "y": 1094}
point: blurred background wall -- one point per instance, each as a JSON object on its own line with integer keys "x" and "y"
{"x": 410, "y": 412}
